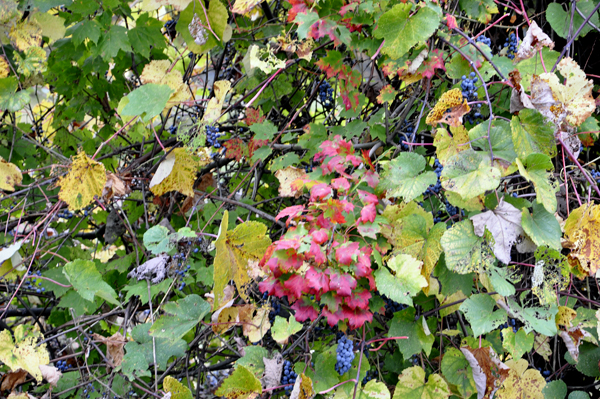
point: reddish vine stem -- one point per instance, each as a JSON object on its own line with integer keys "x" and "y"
{"x": 576, "y": 162}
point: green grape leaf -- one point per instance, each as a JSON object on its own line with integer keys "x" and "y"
{"x": 560, "y": 20}
{"x": 457, "y": 371}
{"x": 55, "y": 274}
{"x": 147, "y": 101}
{"x": 304, "y": 21}
{"x": 450, "y": 281}
{"x": 261, "y": 154}
{"x": 87, "y": 281}
{"x": 289, "y": 159}
{"x": 532, "y": 133}
{"x": 240, "y": 384}
{"x": 533, "y": 66}
{"x": 176, "y": 389}
{"x": 53, "y": 27}
{"x": 146, "y": 35}
{"x": 555, "y": 390}
{"x": 404, "y": 324}
{"x": 140, "y": 288}
{"x": 540, "y": 319}
{"x": 498, "y": 277}
{"x": 73, "y": 301}
{"x": 533, "y": 169}
{"x": 135, "y": 364}
{"x": 217, "y": 16}
{"x": 405, "y": 282}
{"x": 323, "y": 374}
{"x": 165, "y": 347}
{"x": 578, "y": 395}
{"x": 234, "y": 249}
{"x": 479, "y": 311}
{"x": 469, "y": 174}
{"x": 502, "y": 144}
{"x": 465, "y": 252}
{"x": 87, "y": 29}
{"x": 156, "y": 240}
{"x": 402, "y": 31}
{"x": 481, "y": 10}
{"x": 253, "y": 359}
{"x": 412, "y": 384}
{"x": 589, "y": 357}
{"x": 10, "y": 99}
{"x": 182, "y": 316}
{"x": 23, "y": 352}
{"x": 34, "y": 61}
{"x": 404, "y": 176}
{"x": 542, "y": 227}
{"x": 517, "y": 344}
{"x": 264, "y": 131}
{"x": 112, "y": 41}
{"x": 375, "y": 390}
{"x": 283, "y": 329}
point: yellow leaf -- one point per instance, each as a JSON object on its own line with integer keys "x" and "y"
{"x": 575, "y": 96}
{"x": 303, "y": 388}
{"x": 85, "y": 180}
{"x": 215, "y": 105}
{"x": 178, "y": 5}
{"x": 263, "y": 59}
{"x": 259, "y": 325}
{"x": 564, "y": 317}
{"x": 541, "y": 346}
{"x": 448, "y": 146}
{"x": 32, "y": 62}
{"x": 451, "y": 100}
{"x": 176, "y": 389}
{"x": 287, "y": 177}
{"x": 521, "y": 383}
{"x": 23, "y": 352}
{"x": 26, "y": 34}
{"x": 234, "y": 249}
{"x": 158, "y": 72}
{"x": 53, "y": 27}
{"x": 181, "y": 176}
{"x": 4, "y": 67}
{"x": 10, "y": 175}
{"x": 582, "y": 233}
{"x": 244, "y": 6}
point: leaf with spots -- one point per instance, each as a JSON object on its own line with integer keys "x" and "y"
{"x": 84, "y": 181}
{"x": 413, "y": 384}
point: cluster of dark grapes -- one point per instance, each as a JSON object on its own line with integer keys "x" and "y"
{"x": 62, "y": 365}
{"x": 437, "y": 218}
{"x": 88, "y": 389}
{"x": 66, "y": 214}
{"x": 170, "y": 28}
{"x": 288, "y": 376}
{"x": 172, "y": 129}
{"x": 275, "y": 309}
{"x": 451, "y": 209}
{"x": 368, "y": 377}
{"x": 469, "y": 91}
{"x": 37, "y": 129}
{"x": 212, "y": 134}
{"x": 511, "y": 42}
{"x": 32, "y": 283}
{"x": 545, "y": 373}
{"x": 326, "y": 94}
{"x": 392, "y": 306}
{"x": 345, "y": 355}
{"x": 435, "y": 188}
{"x": 406, "y": 131}
{"x": 595, "y": 175}
{"x": 182, "y": 268}
{"x": 485, "y": 40}
{"x": 512, "y": 323}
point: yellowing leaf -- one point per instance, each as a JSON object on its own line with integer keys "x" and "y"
{"x": 215, "y": 105}
{"x": 576, "y": 95}
{"x": 53, "y": 27}
{"x": 176, "y": 389}
{"x": 447, "y": 145}
{"x": 565, "y": 316}
{"x": 287, "y": 177}
{"x": 234, "y": 249}
{"x": 244, "y": 6}
{"x": 23, "y": 352}
{"x": 451, "y": 100}
{"x": 178, "y": 5}
{"x": 411, "y": 384}
{"x": 259, "y": 326}
{"x": 157, "y": 71}
{"x": 34, "y": 61}
{"x": 10, "y": 175}
{"x": 241, "y": 384}
{"x": 263, "y": 59}
{"x": 85, "y": 180}
{"x": 582, "y": 232}
{"x": 26, "y": 34}
{"x": 4, "y": 67}
{"x": 303, "y": 388}
{"x": 283, "y": 329}
{"x": 541, "y": 346}
{"x": 180, "y": 177}
{"x": 521, "y": 383}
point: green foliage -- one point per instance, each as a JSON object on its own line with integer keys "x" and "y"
{"x": 147, "y": 101}
{"x": 183, "y": 316}
{"x": 479, "y": 310}
{"x": 404, "y": 177}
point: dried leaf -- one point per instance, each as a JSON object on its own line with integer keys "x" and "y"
{"x": 244, "y": 6}
{"x": 541, "y": 346}
{"x": 303, "y": 388}
{"x": 50, "y": 374}
{"x": 85, "y": 180}
{"x": 573, "y": 338}
{"x": 287, "y": 177}
{"x": 114, "y": 347}
{"x": 10, "y": 175}
{"x": 114, "y": 187}
{"x": 273, "y": 369}
{"x": 13, "y": 379}
{"x": 534, "y": 41}
{"x": 449, "y": 109}
{"x": 259, "y": 325}
{"x": 488, "y": 371}
{"x": 504, "y": 223}
{"x": 154, "y": 269}
{"x": 198, "y": 31}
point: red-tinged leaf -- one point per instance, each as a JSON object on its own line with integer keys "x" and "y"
{"x": 348, "y": 7}
{"x": 369, "y": 230}
{"x": 298, "y": 7}
{"x": 343, "y": 284}
{"x": 253, "y": 115}
{"x": 341, "y": 184}
{"x": 359, "y": 299}
{"x": 354, "y": 160}
{"x": 367, "y": 197}
{"x": 317, "y": 253}
{"x": 434, "y": 61}
{"x": 367, "y": 159}
{"x": 253, "y": 145}
{"x": 350, "y": 100}
{"x": 268, "y": 254}
{"x": 347, "y": 253}
{"x": 274, "y": 266}
{"x": 323, "y": 222}
{"x": 236, "y": 149}
{"x": 346, "y": 206}
{"x": 305, "y": 310}
{"x": 319, "y": 191}
{"x": 368, "y": 213}
{"x": 291, "y": 211}
{"x": 451, "y": 22}
{"x": 332, "y": 64}
{"x": 334, "y": 164}
{"x": 371, "y": 178}
{"x": 333, "y": 317}
{"x": 322, "y": 28}
{"x": 319, "y": 236}
{"x": 363, "y": 263}
{"x": 294, "y": 262}
{"x": 272, "y": 286}
{"x": 357, "y": 317}
{"x": 387, "y": 94}
{"x": 287, "y": 244}
{"x": 333, "y": 211}
{"x": 296, "y": 286}
{"x": 317, "y": 280}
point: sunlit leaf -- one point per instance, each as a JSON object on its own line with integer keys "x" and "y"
{"x": 84, "y": 181}
{"x": 87, "y": 281}
{"x": 240, "y": 384}
{"x": 182, "y": 316}
{"x": 412, "y": 384}
{"x": 405, "y": 282}
{"x": 404, "y": 176}
{"x": 24, "y": 352}
{"x": 469, "y": 174}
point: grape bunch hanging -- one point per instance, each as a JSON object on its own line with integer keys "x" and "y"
{"x": 511, "y": 42}
{"x": 326, "y": 95}
{"x": 469, "y": 91}
{"x": 345, "y": 355}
